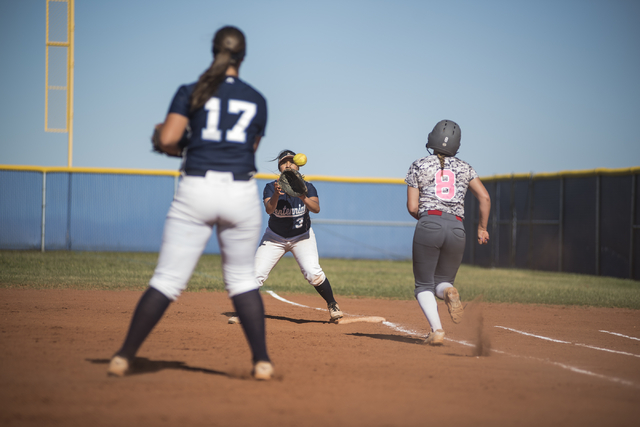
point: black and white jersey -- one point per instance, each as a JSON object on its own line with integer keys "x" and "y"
{"x": 441, "y": 189}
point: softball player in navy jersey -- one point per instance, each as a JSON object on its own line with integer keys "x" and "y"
{"x": 290, "y": 230}
{"x": 226, "y": 119}
{"x": 437, "y": 185}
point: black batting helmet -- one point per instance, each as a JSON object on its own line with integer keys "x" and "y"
{"x": 445, "y": 138}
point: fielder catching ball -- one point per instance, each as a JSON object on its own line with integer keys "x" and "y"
{"x": 290, "y": 230}
{"x": 437, "y": 185}
{"x": 226, "y": 118}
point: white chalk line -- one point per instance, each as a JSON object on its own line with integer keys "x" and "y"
{"x": 608, "y": 350}
{"x": 467, "y": 344}
{"x": 403, "y": 330}
{"x": 593, "y": 374}
{"x": 278, "y": 297}
{"x": 568, "y": 342}
{"x": 620, "y": 335}
{"x": 532, "y": 335}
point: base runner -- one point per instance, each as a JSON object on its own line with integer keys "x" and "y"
{"x": 436, "y": 188}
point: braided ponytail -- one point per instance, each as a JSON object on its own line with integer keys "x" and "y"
{"x": 228, "y": 50}
{"x": 441, "y": 158}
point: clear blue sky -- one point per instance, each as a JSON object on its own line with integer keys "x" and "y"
{"x": 356, "y": 85}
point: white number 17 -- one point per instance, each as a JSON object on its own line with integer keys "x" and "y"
{"x": 247, "y": 111}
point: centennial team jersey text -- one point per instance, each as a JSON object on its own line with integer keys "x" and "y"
{"x": 291, "y": 217}
{"x": 224, "y": 131}
{"x": 442, "y": 190}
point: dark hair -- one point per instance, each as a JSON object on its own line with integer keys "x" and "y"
{"x": 229, "y": 48}
{"x": 282, "y": 154}
{"x": 441, "y": 157}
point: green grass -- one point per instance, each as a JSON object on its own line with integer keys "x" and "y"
{"x": 354, "y": 278}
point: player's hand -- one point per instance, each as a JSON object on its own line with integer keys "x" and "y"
{"x": 278, "y": 189}
{"x": 483, "y": 236}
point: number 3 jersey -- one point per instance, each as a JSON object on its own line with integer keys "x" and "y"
{"x": 291, "y": 217}
{"x": 224, "y": 130}
{"x": 442, "y": 190}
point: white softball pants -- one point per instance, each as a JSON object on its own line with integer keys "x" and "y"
{"x": 201, "y": 203}
{"x": 303, "y": 248}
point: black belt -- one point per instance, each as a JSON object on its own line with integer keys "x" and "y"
{"x": 236, "y": 176}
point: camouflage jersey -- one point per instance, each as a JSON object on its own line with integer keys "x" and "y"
{"x": 442, "y": 190}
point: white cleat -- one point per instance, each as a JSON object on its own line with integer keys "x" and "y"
{"x": 119, "y": 367}
{"x": 334, "y": 312}
{"x": 435, "y": 338}
{"x": 454, "y": 305}
{"x": 262, "y": 371}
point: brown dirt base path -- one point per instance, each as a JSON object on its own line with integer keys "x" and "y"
{"x": 194, "y": 368}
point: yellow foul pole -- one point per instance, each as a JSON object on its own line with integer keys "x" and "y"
{"x": 67, "y": 44}
{"x": 71, "y": 29}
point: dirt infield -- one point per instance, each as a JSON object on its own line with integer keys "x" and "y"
{"x": 194, "y": 368}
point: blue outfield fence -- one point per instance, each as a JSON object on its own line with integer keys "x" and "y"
{"x": 580, "y": 222}
{"x": 99, "y": 210}
{"x": 20, "y": 209}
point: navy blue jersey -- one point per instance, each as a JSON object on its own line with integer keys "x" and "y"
{"x": 291, "y": 217}
{"x": 224, "y": 130}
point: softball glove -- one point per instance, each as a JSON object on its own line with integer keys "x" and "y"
{"x": 155, "y": 142}
{"x": 292, "y": 183}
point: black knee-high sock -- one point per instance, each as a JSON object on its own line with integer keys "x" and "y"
{"x": 325, "y": 291}
{"x": 148, "y": 313}
{"x": 250, "y": 310}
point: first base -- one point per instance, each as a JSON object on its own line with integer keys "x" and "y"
{"x": 364, "y": 319}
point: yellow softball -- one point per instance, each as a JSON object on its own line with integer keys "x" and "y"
{"x": 300, "y": 159}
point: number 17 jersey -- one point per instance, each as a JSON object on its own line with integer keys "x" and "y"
{"x": 442, "y": 190}
{"x": 224, "y": 130}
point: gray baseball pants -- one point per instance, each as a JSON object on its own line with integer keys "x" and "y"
{"x": 438, "y": 246}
